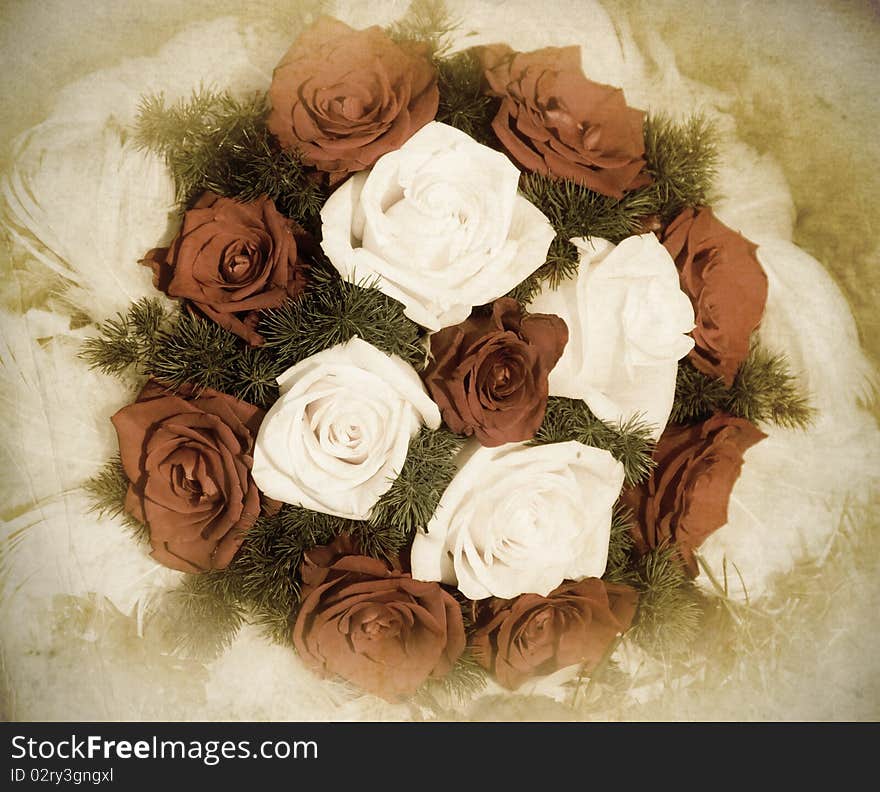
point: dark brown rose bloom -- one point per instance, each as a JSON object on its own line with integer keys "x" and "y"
{"x": 489, "y": 374}
{"x": 231, "y": 260}
{"x": 344, "y": 97}
{"x": 686, "y": 498}
{"x": 373, "y": 625}
{"x": 188, "y": 460}
{"x": 721, "y": 274}
{"x": 535, "y": 636}
{"x": 553, "y": 120}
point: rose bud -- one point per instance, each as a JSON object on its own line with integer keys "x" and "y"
{"x": 687, "y": 495}
{"x": 531, "y": 635}
{"x": 230, "y": 260}
{"x": 489, "y": 374}
{"x": 553, "y": 120}
{"x": 187, "y": 457}
{"x": 727, "y": 286}
{"x": 372, "y": 624}
{"x": 344, "y": 97}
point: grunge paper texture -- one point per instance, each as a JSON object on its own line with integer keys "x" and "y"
{"x": 792, "y": 86}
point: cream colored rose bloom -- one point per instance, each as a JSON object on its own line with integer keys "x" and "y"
{"x": 627, "y": 321}
{"x": 438, "y": 225}
{"x": 338, "y": 435}
{"x": 520, "y": 518}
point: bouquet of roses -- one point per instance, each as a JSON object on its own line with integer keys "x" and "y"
{"x": 462, "y": 368}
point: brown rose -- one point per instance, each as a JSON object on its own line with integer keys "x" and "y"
{"x": 535, "y": 636}
{"x": 231, "y": 260}
{"x": 686, "y": 498}
{"x": 187, "y": 457}
{"x": 720, "y": 273}
{"x": 553, "y": 120}
{"x": 373, "y": 625}
{"x": 489, "y": 374}
{"x": 344, "y": 97}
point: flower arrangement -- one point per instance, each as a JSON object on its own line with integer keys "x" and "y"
{"x": 460, "y": 372}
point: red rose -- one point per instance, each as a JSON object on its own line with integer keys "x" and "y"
{"x": 535, "y": 636}
{"x": 373, "y": 625}
{"x": 187, "y": 457}
{"x": 344, "y": 97}
{"x": 489, "y": 374}
{"x": 686, "y": 498}
{"x": 553, "y": 120}
{"x": 721, "y": 274}
{"x": 231, "y": 260}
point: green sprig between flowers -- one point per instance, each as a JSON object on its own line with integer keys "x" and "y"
{"x": 333, "y": 311}
{"x": 629, "y": 443}
{"x": 463, "y": 102}
{"x": 177, "y": 346}
{"x": 215, "y": 141}
{"x": 107, "y": 490}
{"x": 763, "y": 391}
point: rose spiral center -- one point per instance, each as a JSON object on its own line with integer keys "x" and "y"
{"x": 238, "y": 265}
{"x": 378, "y": 624}
{"x": 539, "y": 629}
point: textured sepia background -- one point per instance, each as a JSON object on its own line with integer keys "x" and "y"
{"x": 801, "y": 77}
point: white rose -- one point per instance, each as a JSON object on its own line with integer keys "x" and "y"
{"x": 338, "y": 435}
{"x": 437, "y": 225}
{"x": 627, "y": 321}
{"x": 521, "y": 518}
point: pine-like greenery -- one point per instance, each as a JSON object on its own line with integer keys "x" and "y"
{"x": 196, "y": 351}
{"x": 180, "y": 346}
{"x": 620, "y": 546}
{"x": 681, "y": 158}
{"x": 629, "y": 443}
{"x": 107, "y": 490}
{"x": 670, "y": 610}
{"x": 466, "y": 679}
{"x": 192, "y": 619}
{"x": 128, "y": 339}
{"x": 763, "y": 391}
{"x": 333, "y": 311}
{"x": 214, "y": 141}
{"x": 415, "y": 493}
{"x": 463, "y": 101}
{"x": 261, "y": 584}
{"x": 670, "y": 605}
{"x": 576, "y": 211}
{"x": 426, "y": 23}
